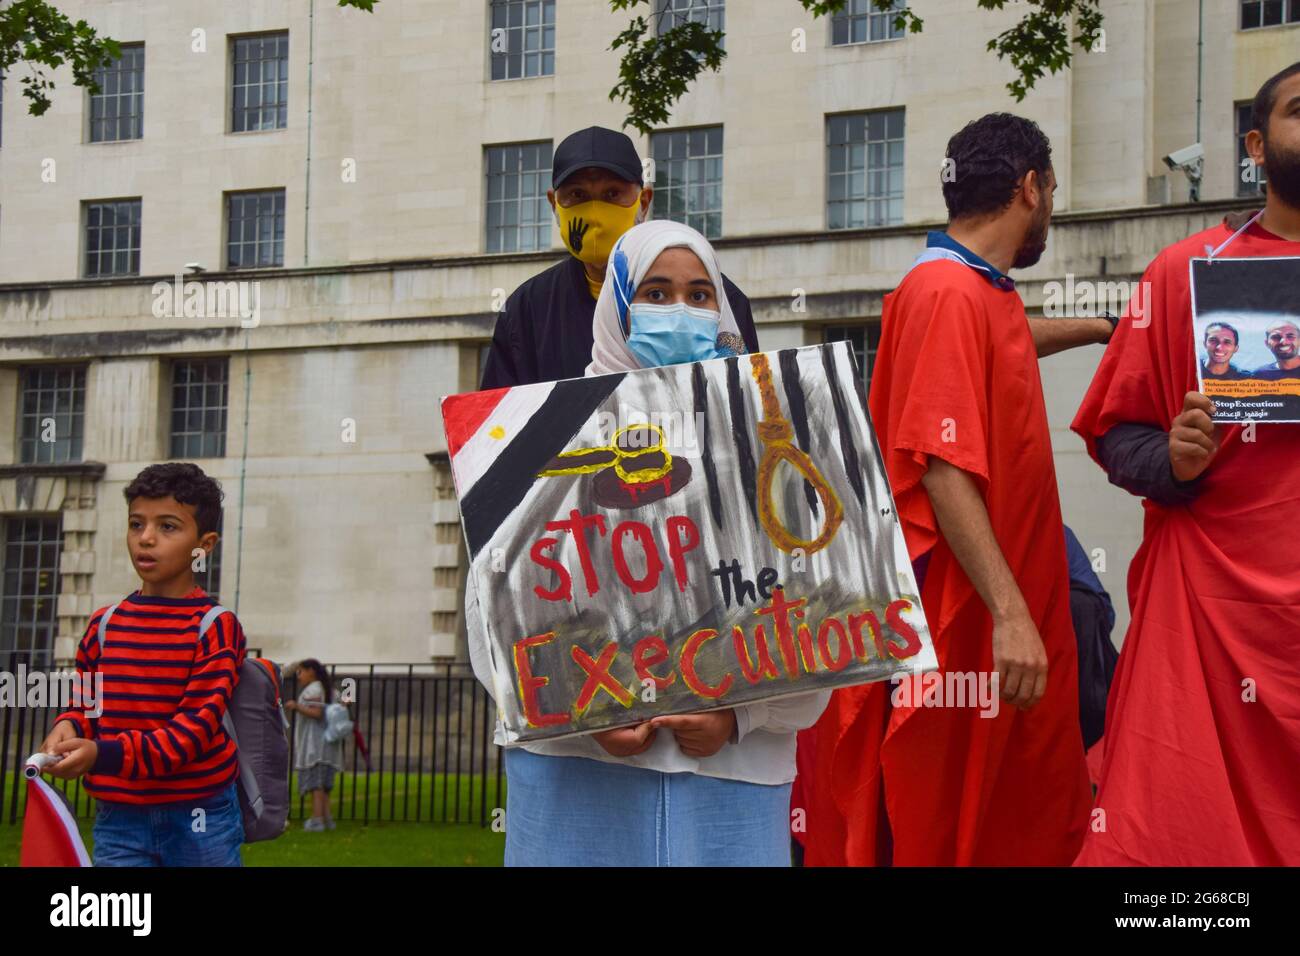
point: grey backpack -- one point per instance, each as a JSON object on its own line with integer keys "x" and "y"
{"x": 256, "y": 723}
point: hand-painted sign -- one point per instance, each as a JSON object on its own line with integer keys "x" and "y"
{"x": 680, "y": 539}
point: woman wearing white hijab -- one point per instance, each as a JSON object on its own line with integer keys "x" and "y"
{"x": 638, "y": 325}
{"x": 707, "y": 789}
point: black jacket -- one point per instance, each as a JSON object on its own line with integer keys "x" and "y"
{"x": 544, "y": 333}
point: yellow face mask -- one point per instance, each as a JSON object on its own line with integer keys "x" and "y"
{"x": 590, "y": 229}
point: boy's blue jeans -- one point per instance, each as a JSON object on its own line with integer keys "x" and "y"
{"x": 172, "y": 835}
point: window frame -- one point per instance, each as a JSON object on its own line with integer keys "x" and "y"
{"x": 543, "y": 173}
{"x": 667, "y": 191}
{"x": 1288, "y": 13}
{"x": 867, "y": 169}
{"x": 666, "y": 16}
{"x": 35, "y": 659}
{"x": 133, "y": 250}
{"x": 180, "y": 443}
{"x": 234, "y": 40}
{"x": 101, "y": 73}
{"x": 278, "y": 192}
{"x": 522, "y": 30}
{"x": 75, "y": 415}
{"x": 869, "y": 15}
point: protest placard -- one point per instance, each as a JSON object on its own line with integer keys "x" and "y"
{"x": 1246, "y": 325}
{"x": 680, "y": 539}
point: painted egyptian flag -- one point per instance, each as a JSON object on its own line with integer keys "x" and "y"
{"x": 50, "y": 834}
{"x": 497, "y": 440}
{"x": 677, "y": 539}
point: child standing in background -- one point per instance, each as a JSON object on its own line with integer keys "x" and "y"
{"x": 315, "y": 758}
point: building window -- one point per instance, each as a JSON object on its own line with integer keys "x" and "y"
{"x": 522, "y": 39}
{"x": 255, "y": 229}
{"x": 688, "y": 178}
{"x": 117, "y": 110}
{"x": 260, "y": 78}
{"x": 1245, "y": 167}
{"x": 865, "y": 185}
{"x": 865, "y": 339}
{"x": 1268, "y": 13}
{"x": 518, "y": 214}
{"x": 672, "y": 13}
{"x": 112, "y": 238}
{"x": 31, "y": 591}
{"x": 199, "y": 400}
{"x": 52, "y": 413}
{"x": 861, "y": 22}
{"x": 210, "y": 577}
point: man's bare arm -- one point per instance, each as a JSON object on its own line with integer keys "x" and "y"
{"x": 963, "y": 518}
{"x": 1057, "y": 335}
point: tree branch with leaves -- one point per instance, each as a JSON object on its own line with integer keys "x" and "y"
{"x": 661, "y": 59}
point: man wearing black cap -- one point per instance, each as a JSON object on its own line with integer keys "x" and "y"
{"x": 598, "y": 193}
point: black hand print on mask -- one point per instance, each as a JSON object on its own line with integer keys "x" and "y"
{"x": 577, "y": 229}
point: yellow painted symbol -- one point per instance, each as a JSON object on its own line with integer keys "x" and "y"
{"x": 585, "y": 461}
{"x": 776, "y": 433}
{"x": 497, "y": 432}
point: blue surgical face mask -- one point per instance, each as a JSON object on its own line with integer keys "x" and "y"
{"x": 671, "y": 334}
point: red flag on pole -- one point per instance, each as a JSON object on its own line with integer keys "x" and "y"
{"x": 50, "y": 834}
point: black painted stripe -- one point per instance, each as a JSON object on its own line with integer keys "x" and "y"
{"x": 700, "y": 402}
{"x": 505, "y": 484}
{"x": 847, "y": 448}
{"x": 736, "y": 402}
{"x": 794, "y": 396}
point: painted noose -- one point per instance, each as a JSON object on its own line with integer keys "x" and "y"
{"x": 776, "y": 433}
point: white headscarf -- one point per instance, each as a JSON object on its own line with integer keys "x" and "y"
{"x": 629, "y": 261}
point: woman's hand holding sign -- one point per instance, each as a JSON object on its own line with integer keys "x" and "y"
{"x": 627, "y": 741}
{"x": 1193, "y": 438}
{"x": 697, "y": 735}
{"x": 700, "y": 735}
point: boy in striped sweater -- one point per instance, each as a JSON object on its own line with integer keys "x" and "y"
{"x": 157, "y": 758}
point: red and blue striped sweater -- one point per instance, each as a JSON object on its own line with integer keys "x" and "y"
{"x": 165, "y": 692}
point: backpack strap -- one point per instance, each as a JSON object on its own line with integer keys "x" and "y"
{"x": 214, "y": 612}
{"x": 247, "y": 775}
{"x": 103, "y": 626}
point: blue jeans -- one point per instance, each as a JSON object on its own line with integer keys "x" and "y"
{"x": 572, "y": 811}
{"x": 128, "y": 835}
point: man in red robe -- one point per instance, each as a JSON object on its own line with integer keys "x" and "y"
{"x": 958, "y": 409}
{"x": 1202, "y": 748}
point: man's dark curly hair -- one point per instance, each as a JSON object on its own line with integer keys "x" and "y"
{"x": 987, "y": 157}
{"x": 1266, "y": 98}
{"x": 185, "y": 482}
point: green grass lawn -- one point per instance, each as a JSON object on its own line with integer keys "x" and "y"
{"x": 356, "y": 843}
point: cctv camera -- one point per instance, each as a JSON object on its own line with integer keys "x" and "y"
{"x": 1185, "y": 157}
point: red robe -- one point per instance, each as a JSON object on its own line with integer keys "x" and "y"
{"x": 956, "y": 377}
{"x": 1192, "y": 773}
